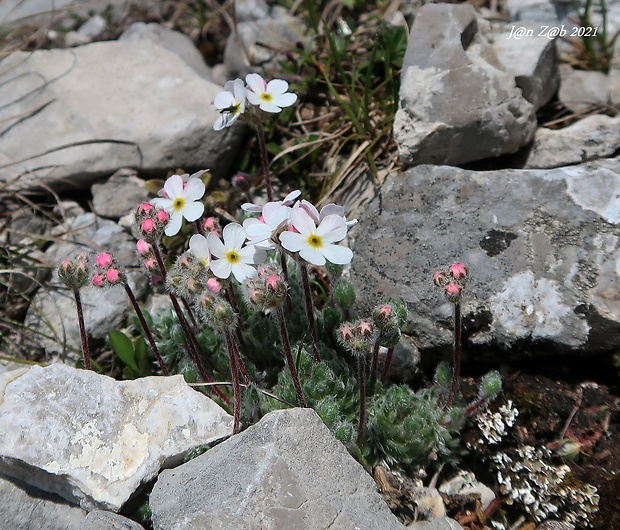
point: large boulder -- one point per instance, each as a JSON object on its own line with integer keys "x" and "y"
{"x": 70, "y": 116}
{"x": 287, "y": 471}
{"x": 542, "y": 246}
{"x": 457, "y": 102}
{"x": 93, "y": 440}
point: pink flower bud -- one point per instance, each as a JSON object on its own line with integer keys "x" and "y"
{"x": 209, "y": 224}
{"x": 143, "y": 248}
{"x": 104, "y": 260}
{"x": 453, "y": 291}
{"x": 66, "y": 264}
{"x": 151, "y": 265}
{"x": 113, "y": 276}
{"x": 145, "y": 208}
{"x": 458, "y": 271}
{"x": 147, "y": 226}
{"x": 162, "y": 216}
{"x": 439, "y": 278}
{"x": 214, "y": 285}
{"x": 274, "y": 282}
{"x": 364, "y": 328}
{"x": 242, "y": 182}
{"x": 345, "y": 332}
{"x": 98, "y": 280}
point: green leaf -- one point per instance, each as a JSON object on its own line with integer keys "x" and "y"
{"x": 122, "y": 346}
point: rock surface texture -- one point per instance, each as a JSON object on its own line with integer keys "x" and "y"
{"x": 84, "y": 120}
{"x": 98, "y": 440}
{"x": 542, "y": 248}
{"x": 287, "y": 471}
{"x": 457, "y": 103}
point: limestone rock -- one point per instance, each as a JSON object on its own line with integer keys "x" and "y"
{"x": 543, "y": 248}
{"x": 533, "y": 62}
{"x": 71, "y": 116}
{"x": 174, "y": 41}
{"x": 119, "y": 195}
{"x": 581, "y": 90}
{"x": 96, "y": 439}
{"x": 287, "y": 471}
{"x": 614, "y": 76}
{"x": 457, "y": 104}
{"x": 594, "y": 137}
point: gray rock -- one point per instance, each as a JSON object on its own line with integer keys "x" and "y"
{"x": 87, "y": 32}
{"x": 173, "y": 41}
{"x": 16, "y": 12}
{"x": 441, "y": 523}
{"x": 72, "y": 116}
{"x": 260, "y": 44}
{"x": 249, "y": 10}
{"x": 581, "y": 90}
{"x": 456, "y": 102}
{"x": 542, "y": 247}
{"x": 287, "y": 471}
{"x": 614, "y": 76}
{"x": 533, "y": 62}
{"x": 537, "y": 11}
{"x": 100, "y": 520}
{"x": 96, "y": 439}
{"x": 119, "y": 195}
{"x": 52, "y": 311}
{"x": 24, "y": 507}
{"x": 594, "y": 137}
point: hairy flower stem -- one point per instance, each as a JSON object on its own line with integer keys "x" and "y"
{"x": 80, "y": 312}
{"x": 361, "y": 365}
{"x": 262, "y": 143}
{"x": 231, "y": 298}
{"x": 235, "y": 380}
{"x": 145, "y": 328}
{"x": 305, "y": 280}
{"x": 289, "y": 302}
{"x": 476, "y": 405}
{"x": 386, "y": 366}
{"x": 289, "y": 357}
{"x": 373, "y": 366}
{"x": 457, "y": 355}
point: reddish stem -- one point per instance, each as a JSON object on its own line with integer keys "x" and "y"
{"x": 457, "y": 355}
{"x": 305, "y": 280}
{"x": 85, "y": 350}
{"x": 289, "y": 357}
{"x": 386, "y": 366}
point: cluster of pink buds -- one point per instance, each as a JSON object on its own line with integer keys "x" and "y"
{"x": 385, "y": 317}
{"x": 216, "y": 311}
{"x": 452, "y": 282}
{"x": 109, "y": 271}
{"x": 268, "y": 288}
{"x": 212, "y": 225}
{"x": 151, "y": 221}
{"x": 147, "y": 258}
{"x": 188, "y": 276}
{"x": 357, "y": 337}
{"x": 74, "y": 273}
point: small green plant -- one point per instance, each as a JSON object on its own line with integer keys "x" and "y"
{"x": 132, "y": 353}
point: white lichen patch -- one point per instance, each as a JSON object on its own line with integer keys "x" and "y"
{"x": 598, "y": 190}
{"x": 494, "y": 425}
{"x": 530, "y": 307}
{"x": 544, "y": 490}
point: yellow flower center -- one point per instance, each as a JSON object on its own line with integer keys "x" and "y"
{"x": 315, "y": 241}
{"x": 179, "y": 203}
{"x": 232, "y": 257}
{"x": 266, "y": 97}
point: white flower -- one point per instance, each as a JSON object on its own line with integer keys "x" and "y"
{"x": 232, "y": 256}
{"x": 199, "y": 247}
{"x": 314, "y": 243}
{"x": 180, "y": 200}
{"x": 259, "y": 231}
{"x": 270, "y": 97}
{"x": 256, "y": 208}
{"x": 328, "y": 209}
{"x": 230, "y": 103}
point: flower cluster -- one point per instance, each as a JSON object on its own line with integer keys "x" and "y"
{"x": 270, "y": 96}
{"x": 109, "y": 271}
{"x": 74, "y": 273}
{"x": 452, "y": 282}
{"x": 150, "y": 222}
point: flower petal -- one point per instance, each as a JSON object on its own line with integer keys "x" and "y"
{"x": 164, "y": 204}
{"x": 256, "y": 83}
{"x": 285, "y": 100}
{"x": 221, "y": 268}
{"x": 194, "y": 189}
{"x": 234, "y": 236}
{"x": 337, "y": 254}
{"x": 174, "y": 225}
{"x": 269, "y": 107}
{"x": 216, "y": 247}
{"x": 302, "y": 221}
{"x": 292, "y": 241}
{"x": 312, "y": 255}
{"x": 277, "y": 87}
{"x": 199, "y": 248}
{"x": 253, "y": 97}
{"x": 193, "y": 211}
{"x": 332, "y": 229}
{"x": 242, "y": 271}
{"x": 223, "y": 100}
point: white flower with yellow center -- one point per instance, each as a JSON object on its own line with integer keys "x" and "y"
{"x": 230, "y": 102}
{"x": 181, "y": 200}
{"x": 232, "y": 257}
{"x": 270, "y": 97}
{"x": 315, "y": 244}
